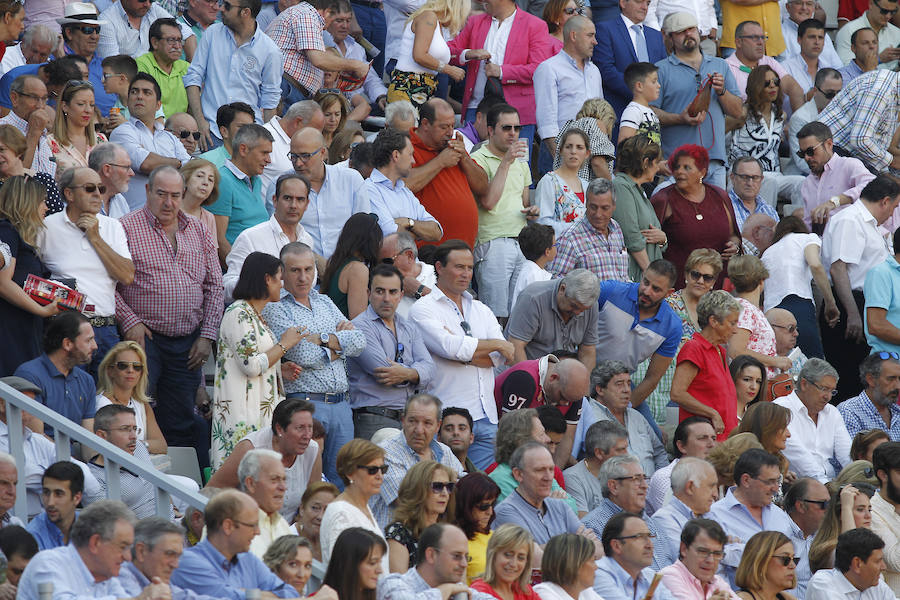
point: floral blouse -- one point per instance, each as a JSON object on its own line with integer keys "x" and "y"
{"x": 762, "y": 336}
{"x": 69, "y": 156}
{"x": 401, "y": 534}
{"x": 560, "y": 205}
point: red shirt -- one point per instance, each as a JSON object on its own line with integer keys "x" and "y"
{"x": 520, "y": 387}
{"x": 479, "y": 585}
{"x": 713, "y": 385}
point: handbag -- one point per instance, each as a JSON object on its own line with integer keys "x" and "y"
{"x": 778, "y": 386}
{"x": 701, "y": 101}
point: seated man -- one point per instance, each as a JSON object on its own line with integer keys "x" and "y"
{"x": 421, "y": 421}
{"x": 695, "y": 486}
{"x": 624, "y": 489}
{"x": 184, "y": 127}
{"x": 695, "y": 437}
{"x": 229, "y": 118}
{"x": 858, "y": 564}
{"x": 624, "y": 572}
{"x": 263, "y": 478}
{"x": 876, "y": 407}
{"x": 693, "y": 576}
{"x": 604, "y": 439}
{"x": 442, "y": 556}
{"x": 885, "y": 518}
{"x": 8, "y": 478}
{"x": 61, "y": 489}
{"x": 158, "y": 544}
{"x": 805, "y": 502}
{"x": 221, "y": 565}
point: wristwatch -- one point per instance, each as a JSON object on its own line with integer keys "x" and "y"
{"x": 324, "y": 337}
{"x": 418, "y": 293}
{"x": 836, "y": 200}
{"x": 412, "y": 223}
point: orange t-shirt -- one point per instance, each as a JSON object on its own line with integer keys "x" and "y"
{"x": 447, "y": 197}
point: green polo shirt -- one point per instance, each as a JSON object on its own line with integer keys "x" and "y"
{"x": 242, "y": 204}
{"x": 506, "y": 218}
{"x": 174, "y": 94}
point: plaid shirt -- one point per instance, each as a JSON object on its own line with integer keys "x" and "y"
{"x": 42, "y": 162}
{"x": 860, "y": 414}
{"x": 863, "y": 117}
{"x": 295, "y": 31}
{"x": 583, "y": 247}
{"x": 171, "y": 294}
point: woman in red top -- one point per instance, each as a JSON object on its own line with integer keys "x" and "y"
{"x": 702, "y": 384}
{"x": 508, "y": 568}
{"x": 12, "y": 22}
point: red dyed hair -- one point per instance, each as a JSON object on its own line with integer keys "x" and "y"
{"x": 698, "y": 153}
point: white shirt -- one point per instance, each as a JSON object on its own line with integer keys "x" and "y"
{"x": 830, "y": 584}
{"x": 886, "y": 523}
{"x": 703, "y": 10}
{"x": 829, "y": 56}
{"x": 852, "y": 235}
{"x": 495, "y": 43}
{"x": 807, "y": 113}
{"x": 395, "y": 14}
{"x": 428, "y": 278}
{"x": 528, "y": 274}
{"x": 281, "y": 145}
{"x": 12, "y": 59}
{"x": 117, "y": 36}
{"x": 67, "y": 252}
{"x": 812, "y": 446}
{"x": 789, "y": 272}
{"x": 456, "y": 382}
{"x": 265, "y": 237}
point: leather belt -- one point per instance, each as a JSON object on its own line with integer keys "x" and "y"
{"x": 381, "y": 411}
{"x": 102, "y": 321}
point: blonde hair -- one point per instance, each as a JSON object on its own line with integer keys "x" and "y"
{"x": 563, "y": 556}
{"x": 598, "y": 108}
{"x": 61, "y": 126}
{"x": 104, "y": 383}
{"x": 753, "y": 570}
{"x": 13, "y": 139}
{"x": 858, "y": 470}
{"x": 508, "y": 536}
{"x": 723, "y": 456}
{"x": 451, "y": 14}
{"x": 413, "y": 493}
{"x": 20, "y": 203}
{"x": 704, "y": 256}
{"x": 194, "y": 165}
{"x": 746, "y": 272}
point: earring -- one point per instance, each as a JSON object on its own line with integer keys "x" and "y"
{"x": 351, "y": 482}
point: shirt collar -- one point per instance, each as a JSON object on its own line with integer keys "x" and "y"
{"x": 620, "y": 575}
{"x": 740, "y": 203}
{"x": 279, "y": 131}
{"x": 508, "y": 19}
{"x": 214, "y": 556}
{"x": 238, "y": 173}
{"x": 381, "y": 179}
{"x": 136, "y": 573}
{"x": 543, "y": 364}
{"x": 152, "y": 221}
{"x": 865, "y": 213}
{"x": 157, "y": 126}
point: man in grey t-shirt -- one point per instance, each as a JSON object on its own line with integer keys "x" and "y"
{"x": 602, "y": 440}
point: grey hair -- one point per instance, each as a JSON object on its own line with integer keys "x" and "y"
{"x": 613, "y": 468}
{"x": 405, "y": 241}
{"x": 295, "y": 248}
{"x": 65, "y": 180}
{"x": 599, "y": 186}
{"x": 604, "y": 372}
{"x": 718, "y": 304}
{"x": 425, "y": 400}
{"x": 251, "y": 135}
{"x": 689, "y": 468}
{"x": 148, "y": 531}
{"x": 207, "y": 492}
{"x": 8, "y": 459}
{"x": 99, "y": 518}
{"x": 602, "y": 436}
{"x": 151, "y": 179}
{"x": 39, "y": 33}
{"x": 305, "y": 109}
{"x": 815, "y": 369}
{"x": 251, "y": 464}
{"x": 582, "y": 286}
{"x": 746, "y": 159}
{"x": 872, "y": 364}
{"x": 402, "y": 109}
{"x": 18, "y": 84}
{"x": 103, "y": 154}
{"x": 517, "y": 460}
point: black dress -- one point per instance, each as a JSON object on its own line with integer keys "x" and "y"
{"x": 21, "y": 331}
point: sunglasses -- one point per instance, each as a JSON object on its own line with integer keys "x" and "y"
{"x": 438, "y": 486}
{"x": 886, "y": 11}
{"x": 803, "y": 152}
{"x": 773, "y": 82}
{"x": 185, "y": 134}
{"x": 573, "y": 11}
{"x": 123, "y": 365}
{"x": 887, "y": 355}
{"x": 697, "y": 276}
{"x": 823, "y": 504}
{"x": 79, "y": 83}
{"x": 467, "y": 329}
{"x": 90, "y": 188}
{"x": 829, "y": 94}
{"x": 508, "y": 128}
{"x": 788, "y": 328}
{"x": 89, "y": 29}
{"x": 486, "y": 505}
{"x": 373, "y": 469}
{"x": 786, "y": 560}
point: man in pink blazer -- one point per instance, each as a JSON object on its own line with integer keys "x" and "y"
{"x": 506, "y": 43}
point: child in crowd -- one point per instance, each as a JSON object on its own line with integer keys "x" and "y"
{"x": 643, "y": 81}
{"x": 118, "y": 71}
{"x": 538, "y": 245}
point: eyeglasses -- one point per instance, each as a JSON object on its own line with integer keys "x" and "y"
{"x": 249, "y": 525}
{"x": 887, "y": 355}
{"x": 185, "y": 134}
{"x": 398, "y": 355}
{"x": 885, "y": 11}
{"x": 767, "y": 482}
{"x": 439, "y": 486}
{"x": 457, "y": 556}
{"x": 89, "y": 29}
{"x": 467, "y": 329}
{"x": 824, "y": 390}
{"x": 371, "y": 470}
{"x": 786, "y": 560}
{"x": 748, "y": 178}
{"x": 120, "y": 166}
{"x": 508, "y": 128}
{"x": 302, "y": 156}
{"x": 486, "y": 505}
{"x": 127, "y": 429}
{"x": 705, "y": 553}
{"x": 802, "y": 152}
{"x": 823, "y": 504}
{"x": 639, "y": 478}
{"x": 90, "y": 188}
{"x": 773, "y": 82}
{"x": 829, "y": 94}
{"x": 637, "y": 536}
{"x": 697, "y": 276}
{"x": 123, "y": 365}
{"x": 755, "y": 38}
{"x": 389, "y": 260}
{"x": 108, "y": 75}
{"x": 172, "y": 41}
{"x": 788, "y": 328}
{"x": 41, "y": 99}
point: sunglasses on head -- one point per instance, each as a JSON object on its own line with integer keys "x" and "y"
{"x": 697, "y": 276}
{"x": 185, "y": 134}
{"x": 373, "y": 469}
{"x": 123, "y": 365}
{"x": 438, "y": 486}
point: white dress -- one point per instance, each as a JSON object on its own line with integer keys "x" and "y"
{"x": 341, "y": 515}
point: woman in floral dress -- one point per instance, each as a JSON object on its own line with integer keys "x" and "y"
{"x": 248, "y": 375}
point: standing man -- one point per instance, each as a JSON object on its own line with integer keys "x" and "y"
{"x": 164, "y": 63}
{"x": 677, "y": 77}
{"x": 885, "y": 502}
{"x": 328, "y": 341}
{"x": 797, "y": 12}
{"x": 61, "y": 487}
{"x": 828, "y": 83}
{"x": 623, "y": 40}
{"x": 878, "y": 17}
{"x": 235, "y": 60}
{"x": 876, "y": 407}
{"x": 746, "y": 182}
{"x": 174, "y": 306}
{"x": 864, "y": 45}
{"x": 851, "y": 246}
{"x": 113, "y": 165}
{"x": 466, "y": 342}
{"x": 395, "y": 363}
{"x": 881, "y": 317}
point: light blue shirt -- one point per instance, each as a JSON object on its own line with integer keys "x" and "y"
{"x": 69, "y": 575}
{"x": 796, "y": 68}
{"x": 134, "y": 582}
{"x": 670, "y": 519}
{"x": 801, "y": 543}
{"x": 390, "y": 201}
{"x": 560, "y": 88}
{"x": 555, "y": 518}
{"x": 597, "y": 519}
{"x": 411, "y": 586}
{"x": 737, "y": 522}
{"x": 880, "y": 291}
{"x": 204, "y": 570}
{"x": 612, "y": 582}
{"x": 742, "y": 214}
{"x": 117, "y": 36}
{"x": 45, "y": 532}
{"x": 226, "y": 73}
{"x": 642, "y": 442}
{"x": 850, "y": 72}
{"x": 320, "y": 374}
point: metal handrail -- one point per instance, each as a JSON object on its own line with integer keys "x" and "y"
{"x": 113, "y": 457}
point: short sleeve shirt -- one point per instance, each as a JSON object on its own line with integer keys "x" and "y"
{"x": 520, "y": 387}
{"x": 713, "y": 385}
{"x": 880, "y": 291}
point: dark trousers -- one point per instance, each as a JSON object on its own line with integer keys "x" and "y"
{"x": 374, "y": 27}
{"x": 804, "y": 311}
{"x": 106, "y": 337}
{"x": 174, "y": 388}
{"x": 843, "y": 354}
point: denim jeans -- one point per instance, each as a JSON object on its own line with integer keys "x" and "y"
{"x": 481, "y": 452}
{"x": 337, "y": 418}
{"x": 106, "y": 337}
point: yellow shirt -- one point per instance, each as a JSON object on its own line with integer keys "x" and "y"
{"x": 506, "y": 218}
{"x": 271, "y": 527}
{"x": 478, "y": 555}
{"x": 767, "y": 14}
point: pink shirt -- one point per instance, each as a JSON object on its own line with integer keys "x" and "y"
{"x": 842, "y": 175}
{"x": 685, "y": 586}
{"x": 740, "y": 76}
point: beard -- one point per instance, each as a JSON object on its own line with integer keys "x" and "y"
{"x": 893, "y": 492}
{"x": 882, "y": 400}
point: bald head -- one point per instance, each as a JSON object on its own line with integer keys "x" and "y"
{"x": 436, "y": 121}
{"x": 569, "y": 381}
{"x": 784, "y": 324}
{"x": 309, "y": 143}
{"x": 576, "y": 23}
{"x": 759, "y": 229}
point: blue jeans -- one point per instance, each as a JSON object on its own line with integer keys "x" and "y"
{"x": 175, "y": 388}
{"x": 481, "y": 452}
{"x": 545, "y": 159}
{"x": 106, "y": 337}
{"x": 374, "y": 28}
{"x": 337, "y": 418}
{"x": 289, "y": 95}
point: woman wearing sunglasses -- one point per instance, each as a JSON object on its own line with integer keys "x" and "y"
{"x": 423, "y": 499}
{"x": 74, "y": 135}
{"x": 360, "y": 465}
{"x": 793, "y": 260}
{"x": 768, "y": 567}
{"x": 476, "y": 496}
{"x": 556, "y": 14}
{"x": 122, "y": 379}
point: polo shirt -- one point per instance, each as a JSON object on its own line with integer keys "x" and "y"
{"x": 217, "y": 156}
{"x": 555, "y": 518}
{"x": 880, "y": 291}
{"x": 623, "y": 336}
{"x": 506, "y": 218}
{"x": 240, "y": 202}
{"x": 174, "y": 94}
{"x": 713, "y": 385}
{"x": 521, "y": 386}
{"x": 73, "y": 396}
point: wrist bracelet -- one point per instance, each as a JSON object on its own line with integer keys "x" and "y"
{"x": 283, "y": 349}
